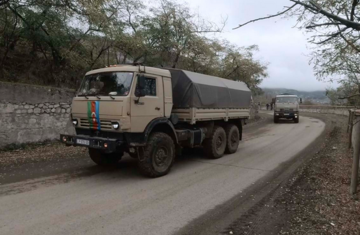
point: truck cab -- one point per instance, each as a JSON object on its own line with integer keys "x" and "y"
{"x": 286, "y": 107}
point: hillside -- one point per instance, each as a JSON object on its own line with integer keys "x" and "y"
{"x": 312, "y": 96}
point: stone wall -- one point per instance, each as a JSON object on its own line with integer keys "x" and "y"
{"x": 33, "y": 113}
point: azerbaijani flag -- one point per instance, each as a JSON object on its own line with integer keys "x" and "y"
{"x": 93, "y": 115}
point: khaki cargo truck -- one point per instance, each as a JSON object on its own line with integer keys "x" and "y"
{"x": 287, "y": 107}
{"x": 153, "y": 113}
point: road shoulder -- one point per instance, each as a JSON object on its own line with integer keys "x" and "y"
{"x": 263, "y": 207}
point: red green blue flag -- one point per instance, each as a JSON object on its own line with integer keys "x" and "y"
{"x": 94, "y": 115}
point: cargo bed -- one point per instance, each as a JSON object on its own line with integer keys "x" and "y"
{"x": 192, "y": 115}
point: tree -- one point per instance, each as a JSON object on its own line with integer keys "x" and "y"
{"x": 334, "y": 27}
{"x": 67, "y": 38}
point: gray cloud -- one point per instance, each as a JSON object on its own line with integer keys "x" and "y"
{"x": 281, "y": 45}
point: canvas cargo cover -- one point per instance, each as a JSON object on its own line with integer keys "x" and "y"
{"x": 195, "y": 90}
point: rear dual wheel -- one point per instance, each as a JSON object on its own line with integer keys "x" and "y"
{"x": 215, "y": 146}
{"x": 222, "y": 141}
{"x": 233, "y": 138}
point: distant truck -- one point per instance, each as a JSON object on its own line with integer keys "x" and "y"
{"x": 152, "y": 113}
{"x": 287, "y": 107}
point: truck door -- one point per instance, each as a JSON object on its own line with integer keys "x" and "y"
{"x": 149, "y": 107}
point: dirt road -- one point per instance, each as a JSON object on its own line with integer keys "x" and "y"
{"x": 120, "y": 201}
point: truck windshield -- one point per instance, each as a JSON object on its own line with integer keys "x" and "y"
{"x": 286, "y": 100}
{"x": 112, "y": 83}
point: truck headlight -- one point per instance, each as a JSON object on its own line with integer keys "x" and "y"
{"x": 115, "y": 125}
{"x": 75, "y": 122}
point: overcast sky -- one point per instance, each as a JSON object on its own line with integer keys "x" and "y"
{"x": 285, "y": 48}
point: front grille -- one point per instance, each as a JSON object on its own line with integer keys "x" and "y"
{"x": 104, "y": 124}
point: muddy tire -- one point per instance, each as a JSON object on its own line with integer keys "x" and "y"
{"x": 276, "y": 119}
{"x": 133, "y": 155}
{"x": 296, "y": 120}
{"x": 158, "y": 156}
{"x": 232, "y": 138}
{"x": 214, "y": 147}
{"x": 104, "y": 159}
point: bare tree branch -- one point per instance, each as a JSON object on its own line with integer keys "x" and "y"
{"x": 332, "y": 36}
{"x": 350, "y": 43}
{"x": 354, "y": 4}
{"x": 268, "y": 17}
{"x": 129, "y": 19}
{"x": 314, "y": 6}
{"x": 321, "y": 25}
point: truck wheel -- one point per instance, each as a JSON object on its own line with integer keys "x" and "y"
{"x": 103, "y": 159}
{"x": 158, "y": 156}
{"x": 276, "y": 120}
{"x": 297, "y": 119}
{"x": 232, "y": 138}
{"x": 214, "y": 146}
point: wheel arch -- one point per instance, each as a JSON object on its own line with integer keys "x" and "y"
{"x": 161, "y": 125}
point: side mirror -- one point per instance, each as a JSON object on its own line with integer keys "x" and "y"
{"x": 300, "y": 100}
{"x": 141, "y": 82}
{"x": 140, "y": 86}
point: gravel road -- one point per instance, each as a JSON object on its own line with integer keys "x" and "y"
{"x": 76, "y": 197}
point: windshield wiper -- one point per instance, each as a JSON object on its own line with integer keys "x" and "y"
{"x": 83, "y": 94}
{"x": 97, "y": 96}
{"x": 111, "y": 95}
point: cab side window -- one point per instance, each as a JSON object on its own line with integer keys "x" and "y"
{"x": 150, "y": 86}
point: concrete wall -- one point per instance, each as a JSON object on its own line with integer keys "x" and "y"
{"x": 339, "y": 110}
{"x": 33, "y": 113}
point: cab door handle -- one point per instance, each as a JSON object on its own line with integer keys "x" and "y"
{"x": 157, "y": 108}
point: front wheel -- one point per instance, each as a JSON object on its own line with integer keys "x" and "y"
{"x": 297, "y": 119}
{"x": 276, "y": 119}
{"x": 104, "y": 159}
{"x": 158, "y": 155}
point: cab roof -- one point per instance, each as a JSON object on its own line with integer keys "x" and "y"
{"x": 287, "y": 96}
{"x": 132, "y": 68}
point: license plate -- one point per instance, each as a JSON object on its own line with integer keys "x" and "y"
{"x": 286, "y": 114}
{"x": 83, "y": 142}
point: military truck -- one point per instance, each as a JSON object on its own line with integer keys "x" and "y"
{"x": 286, "y": 107}
{"x": 153, "y": 113}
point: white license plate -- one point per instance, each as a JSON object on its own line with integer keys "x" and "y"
{"x": 82, "y": 142}
{"x": 286, "y": 114}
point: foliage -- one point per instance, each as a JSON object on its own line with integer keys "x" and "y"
{"x": 334, "y": 26}
{"x": 345, "y": 94}
{"x": 54, "y": 42}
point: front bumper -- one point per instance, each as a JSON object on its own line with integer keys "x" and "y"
{"x": 289, "y": 115}
{"x": 105, "y": 144}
